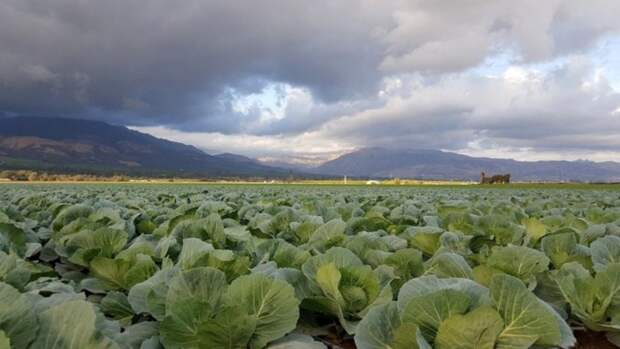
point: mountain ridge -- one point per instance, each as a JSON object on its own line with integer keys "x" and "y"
{"x": 74, "y": 145}
{"x": 436, "y": 164}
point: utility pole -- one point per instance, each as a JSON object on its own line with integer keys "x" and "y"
{"x": 345, "y": 179}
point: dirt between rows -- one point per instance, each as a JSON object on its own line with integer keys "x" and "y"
{"x": 592, "y": 340}
{"x": 585, "y": 340}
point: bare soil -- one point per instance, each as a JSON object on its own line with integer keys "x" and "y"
{"x": 592, "y": 340}
{"x": 585, "y": 340}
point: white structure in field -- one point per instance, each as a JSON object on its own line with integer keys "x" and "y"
{"x": 372, "y": 182}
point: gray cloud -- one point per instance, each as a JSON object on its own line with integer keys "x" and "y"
{"x": 351, "y": 73}
{"x": 162, "y": 62}
{"x": 571, "y": 107}
{"x": 159, "y": 62}
{"x": 569, "y": 111}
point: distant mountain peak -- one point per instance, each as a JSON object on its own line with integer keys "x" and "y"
{"x": 236, "y": 157}
{"x": 85, "y": 145}
{"x": 436, "y": 164}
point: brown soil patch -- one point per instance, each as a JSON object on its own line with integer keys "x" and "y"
{"x": 592, "y": 340}
{"x": 585, "y": 340}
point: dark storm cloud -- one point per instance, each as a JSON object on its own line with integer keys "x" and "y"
{"x": 182, "y": 63}
{"x": 571, "y": 107}
{"x": 172, "y": 62}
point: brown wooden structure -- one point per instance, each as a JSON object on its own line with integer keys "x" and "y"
{"x": 495, "y": 179}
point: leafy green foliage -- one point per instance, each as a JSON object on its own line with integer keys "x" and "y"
{"x": 145, "y": 267}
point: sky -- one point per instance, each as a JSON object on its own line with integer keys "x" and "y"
{"x": 306, "y": 81}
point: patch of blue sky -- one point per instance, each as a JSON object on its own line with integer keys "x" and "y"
{"x": 269, "y": 102}
{"x": 496, "y": 65}
{"x": 606, "y": 56}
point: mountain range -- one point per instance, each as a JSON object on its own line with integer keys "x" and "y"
{"x": 73, "y": 145}
{"x": 436, "y": 164}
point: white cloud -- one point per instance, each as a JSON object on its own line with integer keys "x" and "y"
{"x": 483, "y": 149}
{"x": 566, "y": 107}
{"x": 308, "y": 148}
{"x": 524, "y": 112}
{"x": 523, "y": 77}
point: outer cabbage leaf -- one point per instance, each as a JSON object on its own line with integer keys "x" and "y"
{"x": 292, "y": 276}
{"x": 12, "y": 238}
{"x": 192, "y": 252}
{"x": 69, "y": 214}
{"x": 563, "y": 248}
{"x": 149, "y": 296}
{"x": 272, "y": 303}
{"x": 341, "y": 285}
{"x": 518, "y": 261}
{"x": 193, "y": 298}
{"x": 105, "y": 241}
{"x": 116, "y": 305}
{"x": 17, "y": 318}
{"x": 382, "y": 328}
{"x": 14, "y": 271}
{"x": 296, "y": 341}
{"x": 534, "y": 228}
{"x": 133, "y": 336}
{"x": 448, "y": 264}
{"x": 231, "y": 328}
{"x": 201, "y": 308}
{"x": 430, "y": 310}
{"x": 478, "y": 329}
{"x": 232, "y": 264}
{"x": 501, "y": 229}
{"x": 5, "y": 342}
{"x": 407, "y": 264}
{"x": 430, "y": 284}
{"x": 425, "y": 239}
{"x": 70, "y": 325}
{"x": 527, "y": 319}
{"x": 122, "y": 274}
{"x": 593, "y": 300}
{"x": 328, "y": 235}
{"x": 605, "y": 250}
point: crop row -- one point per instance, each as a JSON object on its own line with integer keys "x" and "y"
{"x": 217, "y": 267}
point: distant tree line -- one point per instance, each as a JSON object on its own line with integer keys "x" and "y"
{"x": 44, "y": 176}
{"x": 34, "y": 176}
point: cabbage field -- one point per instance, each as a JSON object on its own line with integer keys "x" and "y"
{"x": 307, "y": 267}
